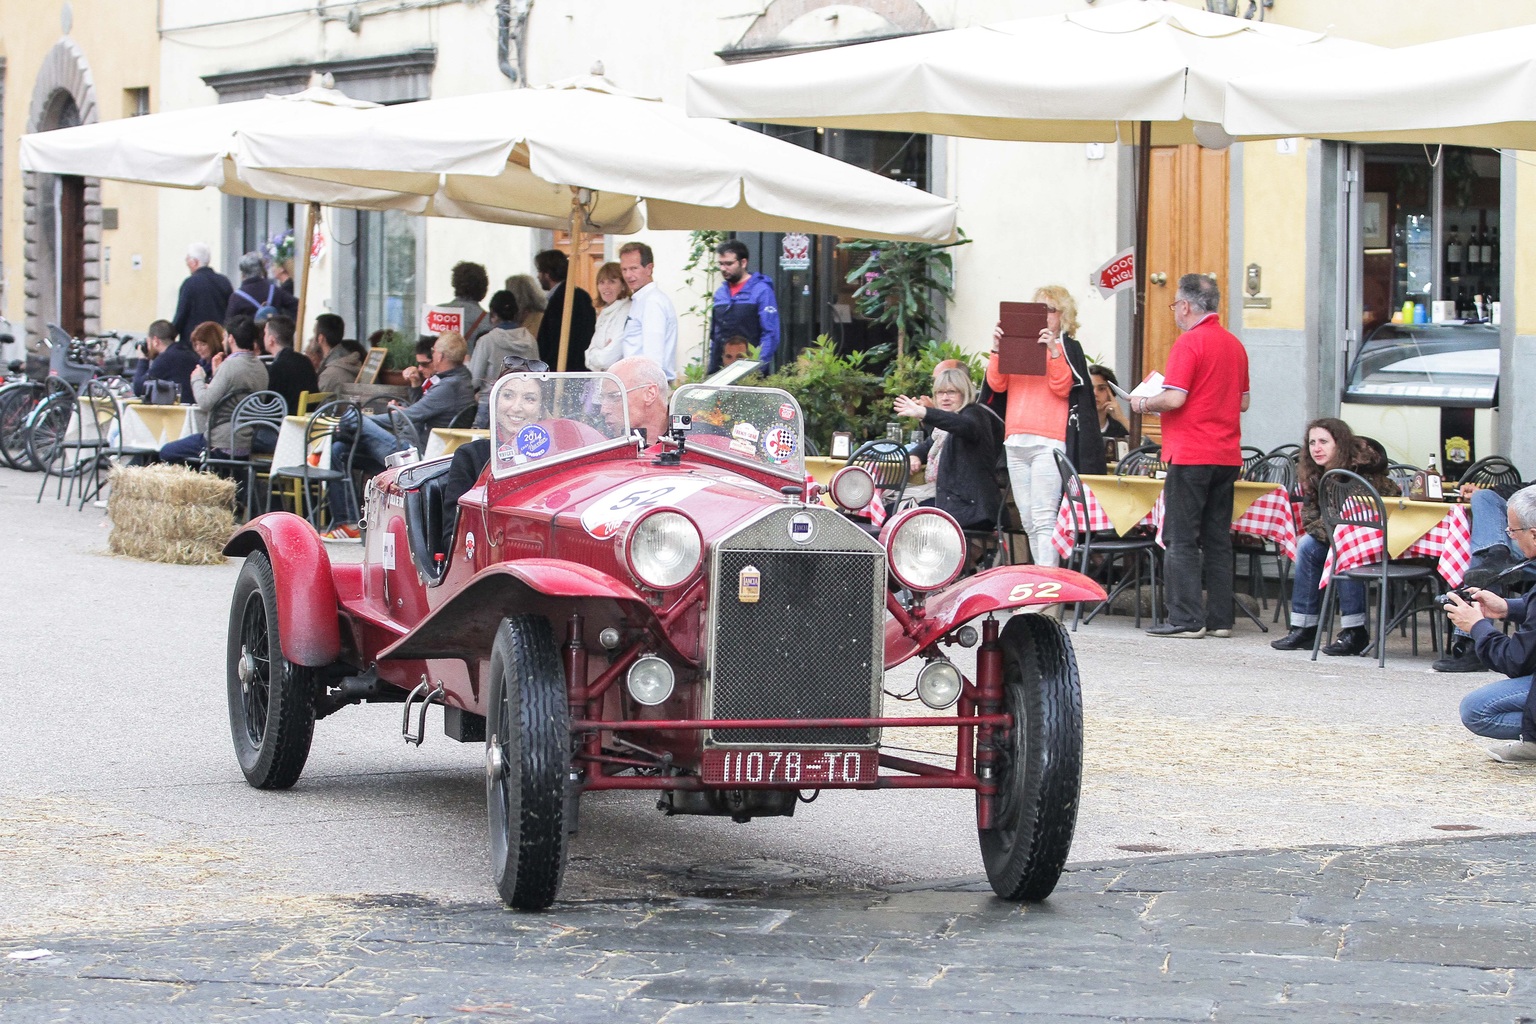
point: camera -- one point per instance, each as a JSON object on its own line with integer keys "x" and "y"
{"x": 1465, "y": 593}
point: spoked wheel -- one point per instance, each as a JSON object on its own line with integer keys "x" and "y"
{"x": 1040, "y": 762}
{"x": 47, "y": 429}
{"x": 16, "y": 404}
{"x": 271, "y": 700}
{"x": 527, "y": 760}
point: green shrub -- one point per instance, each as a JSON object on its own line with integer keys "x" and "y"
{"x": 835, "y": 393}
{"x": 401, "y": 348}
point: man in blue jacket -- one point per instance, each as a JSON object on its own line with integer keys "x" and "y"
{"x": 1505, "y": 710}
{"x": 162, "y": 357}
{"x": 745, "y": 306}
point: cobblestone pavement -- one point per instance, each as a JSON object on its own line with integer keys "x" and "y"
{"x": 1435, "y": 931}
{"x": 168, "y": 890}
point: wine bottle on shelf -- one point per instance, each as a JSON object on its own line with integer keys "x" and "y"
{"x": 1491, "y": 247}
{"x": 1453, "y": 249}
{"x": 1474, "y": 247}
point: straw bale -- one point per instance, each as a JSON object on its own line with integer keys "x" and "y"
{"x": 170, "y": 514}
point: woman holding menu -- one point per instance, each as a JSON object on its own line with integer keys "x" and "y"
{"x": 1036, "y": 424}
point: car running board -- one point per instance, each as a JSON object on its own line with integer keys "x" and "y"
{"x": 428, "y": 696}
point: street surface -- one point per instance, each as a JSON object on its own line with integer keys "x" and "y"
{"x": 169, "y": 890}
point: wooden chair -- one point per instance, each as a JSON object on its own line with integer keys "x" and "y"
{"x": 311, "y": 400}
{"x": 1348, "y": 499}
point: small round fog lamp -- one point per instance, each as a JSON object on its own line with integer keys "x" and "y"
{"x": 938, "y": 684}
{"x": 650, "y": 680}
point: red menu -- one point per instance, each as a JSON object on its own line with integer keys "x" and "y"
{"x": 1019, "y": 350}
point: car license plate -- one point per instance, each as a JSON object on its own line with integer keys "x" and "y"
{"x": 809, "y": 768}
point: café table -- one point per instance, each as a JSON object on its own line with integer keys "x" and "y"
{"x": 446, "y": 440}
{"x": 289, "y": 450}
{"x": 1415, "y": 529}
{"x": 1120, "y": 503}
{"x": 154, "y": 426}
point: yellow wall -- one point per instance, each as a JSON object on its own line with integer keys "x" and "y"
{"x": 1275, "y": 231}
{"x": 121, "y": 49}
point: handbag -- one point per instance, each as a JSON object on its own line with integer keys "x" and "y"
{"x": 162, "y": 392}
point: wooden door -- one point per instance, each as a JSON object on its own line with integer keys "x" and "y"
{"x": 584, "y": 266}
{"x": 71, "y": 254}
{"x": 1186, "y": 234}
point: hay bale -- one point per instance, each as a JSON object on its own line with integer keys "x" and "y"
{"x": 170, "y": 514}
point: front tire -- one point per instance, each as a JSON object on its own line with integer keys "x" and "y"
{"x": 271, "y": 700}
{"x": 16, "y": 404}
{"x": 527, "y": 761}
{"x": 1040, "y": 763}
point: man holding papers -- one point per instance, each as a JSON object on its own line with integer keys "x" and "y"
{"x": 1203, "y": 396}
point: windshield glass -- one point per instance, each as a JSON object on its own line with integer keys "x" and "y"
{"x": 538, "y": 418}
{"x": 761, "y": 426}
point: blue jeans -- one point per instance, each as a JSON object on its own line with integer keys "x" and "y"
{"x": 1307, "y": 599}
{"x": 1494, "y": 710}
{"x": 186, "y": 449}
{"x": 374, "y": 445}
{"x": 1489, "y": 519}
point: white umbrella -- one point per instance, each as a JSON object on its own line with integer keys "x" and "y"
{"x": 1155, "y": 71}
{"x": 1475, "y": 90}
{"x": 585, "y": 152}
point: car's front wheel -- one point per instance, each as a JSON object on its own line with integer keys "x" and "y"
{"x": 527, "y": 761}
{"x": 1040, "y": 764}
{"x": 271, "y": 700}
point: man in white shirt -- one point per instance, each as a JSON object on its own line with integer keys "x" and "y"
{"x": 651, "y": 329}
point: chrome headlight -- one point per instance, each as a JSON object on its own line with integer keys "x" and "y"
{"x": 926, "y": 548}
{"x": 852, "y": 488}
{"x": 664, "y": 549}
{"x": 938, "y": 684}
{"x": 650, "y": 680}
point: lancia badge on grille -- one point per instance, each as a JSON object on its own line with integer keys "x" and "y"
{"x": 749, "y": 585}
{"x": 801, "y": 526}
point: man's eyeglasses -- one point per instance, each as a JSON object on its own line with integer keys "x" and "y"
{"x": 1510, "y": 532}
{"x": 522, "y": 364}
{"x": 610, "y": 397}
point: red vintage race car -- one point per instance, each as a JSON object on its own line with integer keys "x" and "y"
{"x": 680, "y": 616}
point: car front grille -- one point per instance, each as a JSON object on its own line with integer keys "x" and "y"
{"x": 811, "y": 646}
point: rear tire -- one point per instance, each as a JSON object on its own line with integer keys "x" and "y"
{"x": 527, "y": 762}
{"x": 46, "y": 430}
{"x": 271, "y": 700}
{"x": 16, "y": 404}
{"x": 1040, "y": 763}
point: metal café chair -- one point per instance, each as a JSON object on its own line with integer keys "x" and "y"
{"x": 1276, "y": 468}
{"x": 1086, "y": 542}
{"x": 57, "y": 441}
{"x": 319, "y": 430}
{"x": 1251, "y": 457}
{"x": 1491, "y": 472}
{"x": 251, "y": 411}
{"x": 404, "y": 430}
{"x": 887, "y": 462}
{"x": 105, "y": 441}
{"x": 1144, "y": 461}
{"x": 464, "y": 419}
{"x": 1348, "y": 499}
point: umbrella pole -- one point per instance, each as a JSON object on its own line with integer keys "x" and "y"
{"x": 302, "y": 266}
{"x": 1139, "y": 315}
{"x": 570, "y": 287}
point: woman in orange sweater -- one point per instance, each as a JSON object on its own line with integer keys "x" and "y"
{"x": 1036, "y": 428}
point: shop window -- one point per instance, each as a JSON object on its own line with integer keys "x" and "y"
{"x": 387, "y": 264}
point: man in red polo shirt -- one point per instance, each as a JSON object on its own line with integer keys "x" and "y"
{"x": 1205, "y": 393}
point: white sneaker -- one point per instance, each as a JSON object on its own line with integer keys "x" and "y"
{"x": 1513, "y": 752}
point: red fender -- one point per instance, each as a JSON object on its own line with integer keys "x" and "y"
{"x": 1013, "y": 586}
{"x": 307, "y": 603}
{"x": 465, "y": 625}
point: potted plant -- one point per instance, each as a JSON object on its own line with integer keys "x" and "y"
{"x": 402, "y": 353}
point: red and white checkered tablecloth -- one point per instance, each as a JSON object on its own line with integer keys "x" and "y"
{"x": 1449, "y": 542}
{"x": 1269, "y": 517}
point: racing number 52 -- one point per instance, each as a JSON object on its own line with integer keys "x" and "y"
{"x": 1044, "y": 591}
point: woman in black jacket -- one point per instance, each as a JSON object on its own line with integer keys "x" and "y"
{"x": 961, "y": 454}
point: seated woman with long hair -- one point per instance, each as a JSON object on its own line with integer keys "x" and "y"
{"x": 1329, "y": 444}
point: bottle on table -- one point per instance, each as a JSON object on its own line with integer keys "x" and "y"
{"x": 1434, "y": 485}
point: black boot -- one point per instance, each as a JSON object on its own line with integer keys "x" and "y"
{"x": 1298, "y": 639}
{"x": 1350, "y": 641}
{"x": 1462, "y": 657}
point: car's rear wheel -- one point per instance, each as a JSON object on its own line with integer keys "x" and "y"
{"x": 527, "y": 761}
{"x": 1039, "y": 768}
{"x": 271, "y": 700}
